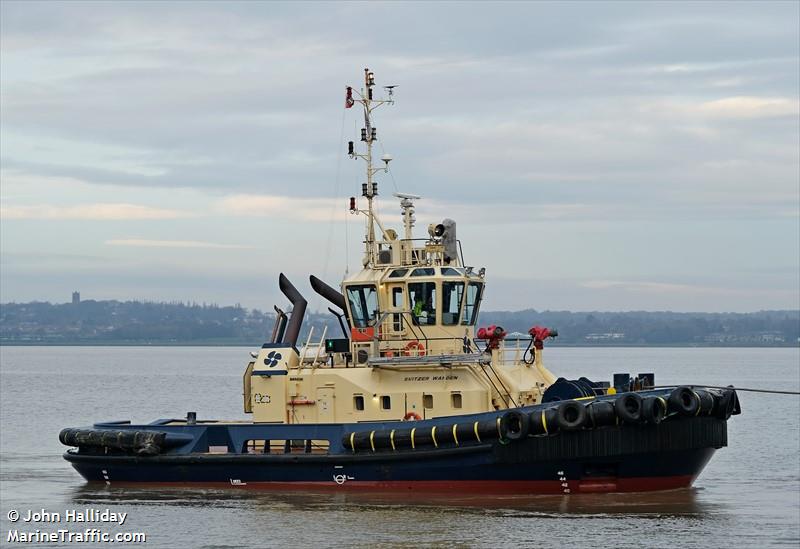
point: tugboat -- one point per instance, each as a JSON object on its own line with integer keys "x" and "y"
{"x": 413, "y": 396}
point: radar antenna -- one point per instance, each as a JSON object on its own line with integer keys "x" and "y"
{"x": 407, "y": 207}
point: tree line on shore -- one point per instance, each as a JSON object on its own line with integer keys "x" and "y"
{"x": 141, "y": 322}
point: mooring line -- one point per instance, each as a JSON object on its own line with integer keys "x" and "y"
{"x": 773, "y": 391}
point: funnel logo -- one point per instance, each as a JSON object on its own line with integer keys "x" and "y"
{"x": 272, "y": 359}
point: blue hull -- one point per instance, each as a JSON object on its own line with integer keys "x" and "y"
{"x": 622, "y": 457}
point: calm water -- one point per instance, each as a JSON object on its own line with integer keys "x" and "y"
{"x": 748, "y": 496}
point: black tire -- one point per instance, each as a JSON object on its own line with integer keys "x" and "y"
{"x": 629, "y": 407}
{"x": 706, "y": 400}
{"x": 601, "y": 414}
{"x": 514, "y": 425}
{"x": 684, "y": 401}
{"x": 571, "y": 415}
{"x": 654, "y": 409}
{"x": 543, "y": 422}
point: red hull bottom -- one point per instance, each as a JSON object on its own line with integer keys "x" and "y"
{"x": 528, "y": 487}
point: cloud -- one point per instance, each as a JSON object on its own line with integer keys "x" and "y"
{"x": 145, "y": 243}
{"x": 91, "y": 212}
{"x": 576, "y": 127}
{"x": 738, "y": 107}
{"x": 669, "y": 288}
{"x": 261, "y": 205}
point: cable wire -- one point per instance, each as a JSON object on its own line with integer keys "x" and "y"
{"x": 772, "y": 391}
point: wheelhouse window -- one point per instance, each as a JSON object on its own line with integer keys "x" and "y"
{"x": 452, "y": 292}
{"x": 474, "y": 291}
{"x": 363, "y": 304}
{"x": 450, "y": 271}
{"x": 424, "y": 271}
{"x": 398, "y": 273}
{"x": 422, "y": 296}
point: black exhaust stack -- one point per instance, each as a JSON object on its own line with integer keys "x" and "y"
{"x": 328, "y": 293}
{"x": 298, "y": 310}
{"x": 334, "y": 297}
{"x": 280, "y": 326}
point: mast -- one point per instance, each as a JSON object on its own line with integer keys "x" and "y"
{"x": 369, "y": 135}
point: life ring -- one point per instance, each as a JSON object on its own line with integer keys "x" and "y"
{"x": 418, "y": 345}
{"x": 412, "y": 415}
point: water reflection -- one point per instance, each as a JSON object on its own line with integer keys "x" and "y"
{"x": 683, "y": 502}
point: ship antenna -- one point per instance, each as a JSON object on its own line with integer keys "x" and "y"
{"x": 369, "y": 135}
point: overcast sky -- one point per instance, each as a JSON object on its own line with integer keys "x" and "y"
{"x": 595, "y": 156}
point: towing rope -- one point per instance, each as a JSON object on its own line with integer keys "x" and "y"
{"x": 773, "y": 391}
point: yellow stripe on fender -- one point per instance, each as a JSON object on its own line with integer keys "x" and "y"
{"x": 372, "y": 440}
{"x": 412, "y": 438}
{"x": 544, "y": 423}
{"x": 498, "y": 427}
{"x": 391, "y": 439}
{"x": 352, "y": 444}
{"x": 475, "y": 428}
{"x": 433, "y": 436}
{"x": 455, "y": 436}
{"x": 664, "y": 403}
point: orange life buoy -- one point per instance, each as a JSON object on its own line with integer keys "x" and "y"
{"x": 412, "y": 415}
{"x": 418, "y": 345}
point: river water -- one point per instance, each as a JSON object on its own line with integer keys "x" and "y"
{"x": 748, "y": 495}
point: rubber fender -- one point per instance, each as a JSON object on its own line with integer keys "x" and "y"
{"x": 571, "y": 415}
{"x": 706, "y": 402}
{"x": 628, "y": 407}
{"x": 514, "y": 425}
{"x": 654, "y": 409}
{"x": 600, "y": 413}
{"x": 543, "y": 421}
{"x": 683, "y": 401}
{"x": 726, "y": 404}
{"x": 145, "y": 443}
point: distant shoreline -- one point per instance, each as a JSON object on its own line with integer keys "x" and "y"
{"x": 146, "y": 324}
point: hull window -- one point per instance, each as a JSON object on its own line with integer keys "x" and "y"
{"x": 386, "y": 402}
{"x": 455, "y": 400}
{"x": 358, "y": 403}
{"x": 427, "y": 402}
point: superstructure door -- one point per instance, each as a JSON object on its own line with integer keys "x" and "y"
{"x": 397, "y": 307}
{"x": 326, "y": 405}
